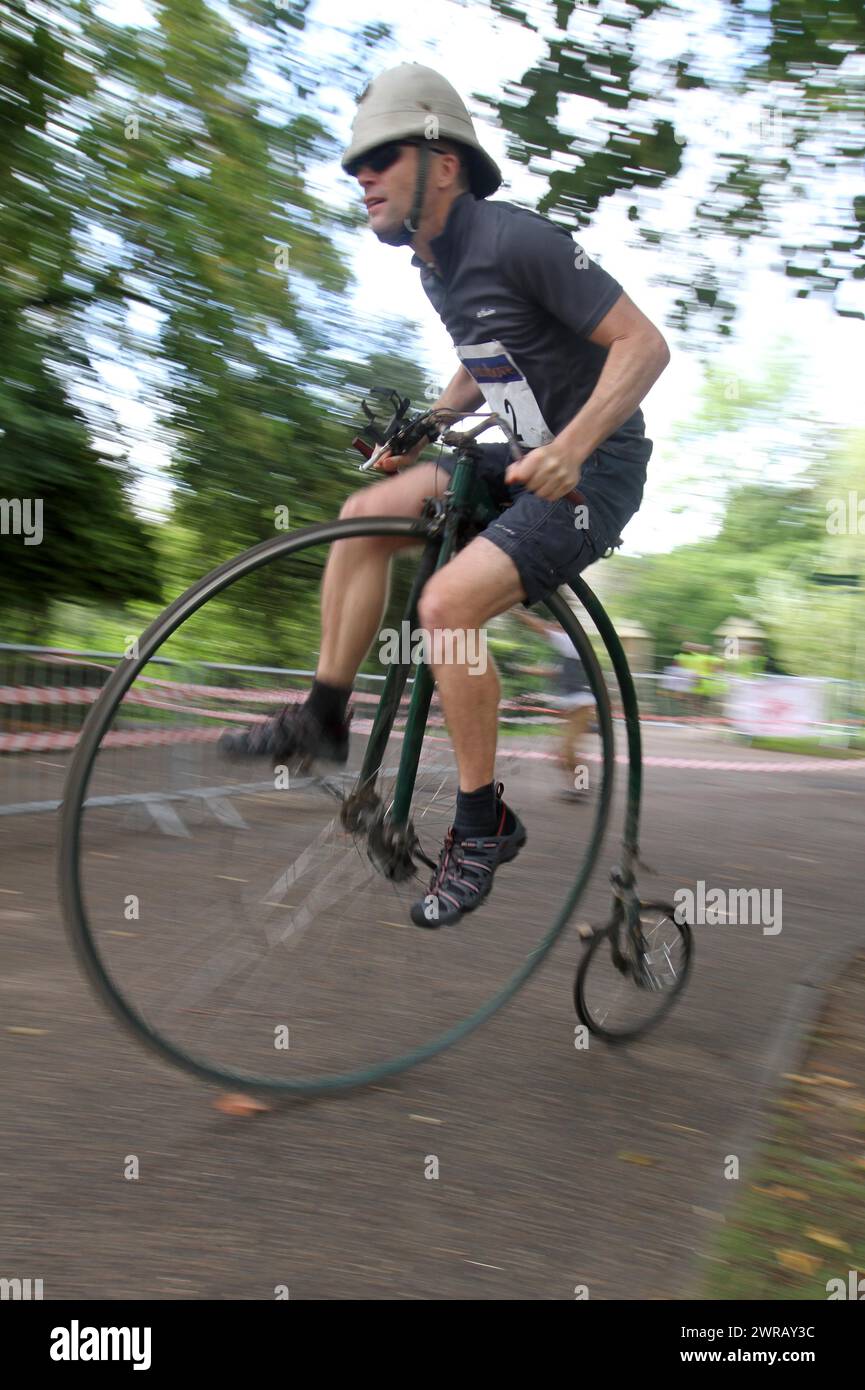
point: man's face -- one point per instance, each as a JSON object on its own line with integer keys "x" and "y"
{"x": 388, "y": 195}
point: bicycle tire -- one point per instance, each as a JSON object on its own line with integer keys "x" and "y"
{"x": 666, "y": 1001}
{"x": 99, "y": 721}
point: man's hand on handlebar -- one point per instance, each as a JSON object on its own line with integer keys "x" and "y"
{"x": 388, "y": 462}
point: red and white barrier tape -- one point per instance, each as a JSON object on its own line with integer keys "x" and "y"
{"x": 145, "y": 738}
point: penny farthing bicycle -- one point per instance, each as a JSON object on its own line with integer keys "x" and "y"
{"x": 250, "y": 923}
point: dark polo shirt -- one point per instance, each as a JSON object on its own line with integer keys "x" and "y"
{"x": 519, "y": 297}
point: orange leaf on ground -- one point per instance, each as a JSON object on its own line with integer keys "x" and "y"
{"x": 237, "y": 1104}
{"x": 799, "y": 1261}
{"x": 791, "y": 1194}
{"x": 825, "y": 1238}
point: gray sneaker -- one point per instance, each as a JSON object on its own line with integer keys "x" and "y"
{"x": 293, "y": 733}
{"x": 465, "y": 871}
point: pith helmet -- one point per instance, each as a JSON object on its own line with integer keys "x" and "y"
{"x": 415, "y": 102}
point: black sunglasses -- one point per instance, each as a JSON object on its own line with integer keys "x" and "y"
{"x": 383, "y": 156}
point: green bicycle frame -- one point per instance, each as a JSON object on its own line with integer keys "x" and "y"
{"x": 631, "y": 712}
{"x": 468, "y": 497}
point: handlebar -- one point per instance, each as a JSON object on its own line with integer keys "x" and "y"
{"x": 401, "y": 435}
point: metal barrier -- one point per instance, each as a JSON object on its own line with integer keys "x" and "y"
{"x": 165, "y": 722}
{"x": 171, "y": 718}
{"x": 165, "y": 728}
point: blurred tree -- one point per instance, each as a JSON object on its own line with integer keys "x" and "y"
{"x": 768, "y": 473}
{"x": 92, "y": 546}
{"x": 760, "y": 565}
{"x": 770, "y": 95}
{"x": 159, "y": 213}
{"x": 817, "y": 628}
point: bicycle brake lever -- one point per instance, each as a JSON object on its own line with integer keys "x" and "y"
{"x": 373, "y": 456}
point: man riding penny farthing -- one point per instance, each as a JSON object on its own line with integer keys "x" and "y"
{"x": 309, "y": 878}
{"x": 553, "y": 344}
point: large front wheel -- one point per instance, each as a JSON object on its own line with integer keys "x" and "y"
{"x": 231, "y": 914}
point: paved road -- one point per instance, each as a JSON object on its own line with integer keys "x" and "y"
{"x": 557, "y": 1167}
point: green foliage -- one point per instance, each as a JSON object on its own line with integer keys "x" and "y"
{"x": 93, "y": 546}
{"x": 760, "y": 566}
{"x": 158, "y": 211}
{"x": 778, "y": 117}
{"x": 161, "y": 210}
{"x": 817, "y": 627}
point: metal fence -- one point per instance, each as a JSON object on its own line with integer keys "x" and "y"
{"x": 162, "y": 744}
{"x": 166, "y": 720}
{"x": 162, "y": 740}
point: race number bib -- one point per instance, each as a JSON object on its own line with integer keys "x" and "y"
{"x": 506, "y": 391}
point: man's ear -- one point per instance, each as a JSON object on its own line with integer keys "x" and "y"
{"x": 450, "y": 166}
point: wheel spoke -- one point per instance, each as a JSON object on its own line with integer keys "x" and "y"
{"x": 620, "y": 1007}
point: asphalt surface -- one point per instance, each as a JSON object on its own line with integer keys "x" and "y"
{"x": 557, "y": 1167}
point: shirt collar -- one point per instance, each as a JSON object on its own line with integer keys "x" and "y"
{"x": 447, "y": 243}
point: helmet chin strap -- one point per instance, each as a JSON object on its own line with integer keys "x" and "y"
{"x": 412, "y": 222}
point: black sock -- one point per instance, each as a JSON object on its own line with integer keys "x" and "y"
{"x": 328, "y": 703}
{"x": 478, "y": 813}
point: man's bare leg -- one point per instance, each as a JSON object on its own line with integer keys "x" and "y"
{"x": 478, "y": 583}
{"x": 356, "y": 578}
{"x": 473, "y": 587}
{"x": 353, "y": 598}
{"x": 576, "y": 727}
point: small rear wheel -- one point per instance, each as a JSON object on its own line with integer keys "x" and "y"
{"x": 631, "y": 974}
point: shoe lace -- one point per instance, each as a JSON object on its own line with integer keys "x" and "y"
{"x": 448, "y": 858}
{"x": 452, "y": 857}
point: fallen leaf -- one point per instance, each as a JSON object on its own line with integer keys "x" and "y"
{"x": 791, "y": 1194}
{"x": 28, "y": 1032}
{"x": 799, "y": 1261}
{"x": 824, "y": 1238}
{"x": 237, "y": 1104}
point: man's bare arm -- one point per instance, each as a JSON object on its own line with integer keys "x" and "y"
{"x": 530, "y": 620}
{"x": 461, "y": 393}
{"x": 637, "y": 354}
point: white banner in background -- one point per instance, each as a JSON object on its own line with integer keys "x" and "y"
{"x": 776, "y": 706}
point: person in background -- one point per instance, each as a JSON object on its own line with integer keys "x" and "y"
{"x": 691, "y": 662}
{"x": 574, "y": 698}
{"x": 711, "y": 682}
{"x": 675, "y": 685}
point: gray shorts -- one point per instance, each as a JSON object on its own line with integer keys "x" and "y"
{"x": 552, "y": 542}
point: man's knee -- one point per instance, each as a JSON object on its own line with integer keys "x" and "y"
{"x": 356, "y": 504}
{"x": 379, "y": 501}
{"x": 444, "y": 604}
{"x": 401, "y": 495}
